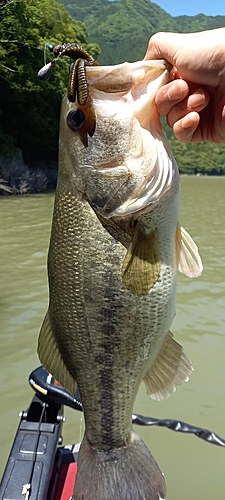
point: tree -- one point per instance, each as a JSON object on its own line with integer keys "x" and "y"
{"x": 29, "y": 108}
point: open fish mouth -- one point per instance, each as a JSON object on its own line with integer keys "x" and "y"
{"x": 127, "y": 91}
{"x": 138, "y": 81}
{"x": 117, "y": 79}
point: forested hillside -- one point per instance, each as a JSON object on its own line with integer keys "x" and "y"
{"x": 122, "y": 29}
{"x": 112, "y": 31}
{"x": 29, "y": 108}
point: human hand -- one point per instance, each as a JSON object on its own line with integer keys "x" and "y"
{"x": 194, "y": 102}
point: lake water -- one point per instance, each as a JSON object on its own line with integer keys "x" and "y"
{"x": 194, "y": 469}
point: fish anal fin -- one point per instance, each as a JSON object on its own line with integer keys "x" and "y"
{"x": 188, "y": 259}
{"x": 51, "y": 358}
{"x": 141, "y": 266}
{"x": 170, "y": 369}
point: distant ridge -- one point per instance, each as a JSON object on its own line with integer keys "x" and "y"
{"x": 122, "y": 28}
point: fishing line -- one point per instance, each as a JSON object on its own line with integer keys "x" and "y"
{"x": 50, "y": 47}
{"x": 44, "y": 385}
{"x": 174, "y": 425}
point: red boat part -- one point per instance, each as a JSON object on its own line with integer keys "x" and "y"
{"x": 66, "y": 481}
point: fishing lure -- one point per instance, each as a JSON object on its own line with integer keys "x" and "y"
{"x": 77, "y": 87}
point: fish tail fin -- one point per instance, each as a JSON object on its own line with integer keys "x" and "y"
{"x": 126, "y": 473}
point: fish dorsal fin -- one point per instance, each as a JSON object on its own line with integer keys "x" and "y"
{"x": 169, "y": 370}
{"x": 51, "y": 358}
{"x": 188, "y": 259}
{"x": 141, "y": 266}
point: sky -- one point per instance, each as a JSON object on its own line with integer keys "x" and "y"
{"x": 192, "y": 7}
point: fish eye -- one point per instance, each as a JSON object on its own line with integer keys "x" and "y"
{"x": 75, "y": 119}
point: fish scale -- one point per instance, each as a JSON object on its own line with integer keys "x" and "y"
{"x": 86, "y": 284}
{"x": 99, "y": 307}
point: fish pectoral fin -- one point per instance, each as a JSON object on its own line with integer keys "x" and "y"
{"x": 170, "y": 369}
{"x": 51, "y": 358}
{"x": 141, "y": 266}
{"x": 188, "y": 259}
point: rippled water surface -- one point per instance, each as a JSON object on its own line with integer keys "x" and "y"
{"x": 194, "y": 469}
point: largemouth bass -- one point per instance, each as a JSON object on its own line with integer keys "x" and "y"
{"x": 115, "y": 248}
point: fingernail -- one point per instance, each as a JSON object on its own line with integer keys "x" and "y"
{"x": 197, "y": 99}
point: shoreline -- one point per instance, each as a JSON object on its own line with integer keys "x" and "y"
{"x": 16, "y": 177}
{"x": 7, "y": 190}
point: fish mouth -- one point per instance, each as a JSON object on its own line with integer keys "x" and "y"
{"x": 95, "y": 74}
{"x": 133, "y": 83}
{"x": 131, "y": 87}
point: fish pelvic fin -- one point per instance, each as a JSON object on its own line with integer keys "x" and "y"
{"x": 51, "y": 358}
{"x": 170, "y": 369}
{"x": 141, "y": 265}
{"x": 188, "y": 259}
{"x": 126, "y": 473}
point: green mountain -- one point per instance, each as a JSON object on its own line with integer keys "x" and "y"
{"x": 29, "y": 108}
{"x": 122, "y": 28}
